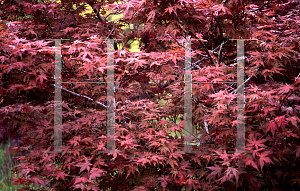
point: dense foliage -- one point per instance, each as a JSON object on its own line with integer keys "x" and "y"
{"x": 149, "y": 94}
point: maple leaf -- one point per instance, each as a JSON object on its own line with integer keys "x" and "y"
{"x": 285, "y": 89}
{"x": 92, "y": 187}
{"x": 264, "y": 159}
{"x": 191, "y": 183}
{"x": 230, "y": 172}
{"x": 86, "y": 68}
{"x": 81, "y": 180}
{"x": 294, "y": 120}
{"x": 164, "y": 150}
{"x": 26, "y": 171}
{"x": 268, "y": 109}
{"x": 37, "y": 181}
{"x": 96, "y": 172}
{"x": 155, "y": 144}
{"x": 80, "y": 186}
{"x": 271, "y": 126}
{"x": 157, "y": 159}
{"x": 223, "y": 156}
{"x": 281, "y": 121}
{"x": 164, "y": 180}
{"x": 176, "y": 155}
{"x": 184, "y": 165}
{"x": 151, "y": 15}
{"x": 271, "y": 56}
{"x": 217, "y": 170}
{"x": 128, "y": 141}
{"x": 256, "y": 143}
{"x": 15, "y": 87}
{"x": 162, "y": 122}
{"x": 160, "y": 60}
{"x": 296, "y": 180}
{"x": 220, "y": 9}
{"x": 61, "y": 175}
{"x": 131, "y": 170}
{"x": 255, "y": 54}
{"x": 143, "y": 161}
{"x": 86, "y": 165}
{"x": 276, "y": 68}
{"x": 172, "y": 9}
{"x": 252, "y": 163}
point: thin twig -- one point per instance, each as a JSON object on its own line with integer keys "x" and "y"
{"x": 176, "y": 40}
{"x": 206, "y": 127}
{"x": 110, "y": 33}
{"x": 202, "y": 44}
{"x": 48, "y": 24}
{"x": 210, "y": 36}
{"x": 195, "y": 63}
{"x": 297, "y": 77}
{"x": 205, "y": 49}
{"x": 260, "y": 7}
{"x": 116, "y": 12}
{"x": 220, "y": 54}
{"x": 200, "y": 141}
{"x": 97, "y": 13}
{"x": 78, "y": 8}
{"x": 234, "y": 92}
{"x": 76, "y": 94}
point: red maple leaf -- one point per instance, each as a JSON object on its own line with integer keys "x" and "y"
{"x": 264, "y": 159}
{"x": 60, "y": 174}
{"x": 285, "y": 89}
{"x": 271, "y": 126}
{"x": 256, "y": 143}
{"x": 252, "y": 163}
{"x": 96, "y": 172}
{"x": 81, "y": 180}
{"x": 217, "y": 170}
{"x": 37, "y": 181}
{"x": 84, "y": 165}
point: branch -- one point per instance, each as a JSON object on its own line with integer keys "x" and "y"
{"x": 116, "y": 12}
{"x": 97, "y": 102}
{"x": 297, "y": 77}
{"x": 206, "y": 127}
{"x": 258, "y": 9}
{"x": 77, "y": 8}
{"x": 205, "y": 49}
{"x": 210, "y": 36}
{"x": 183, "y": 46}
{"x": 200, "y": 141}
{"x": 193, "y": 64}
{"x": 220, "y": 54}
{"x": 234, "y": 92}
{"x": 203, "y": 45}
{"x": 96, "y": 12}
{"x": 47, "y": 22}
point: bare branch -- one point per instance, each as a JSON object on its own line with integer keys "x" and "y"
{"x": 97, "y": 102}
{"x": 210, "y": 36}
{"x": 47, "y": 22}
{"x": 205, "y": 49}
{"x": 220, "y": 54}
{"x": 101, "y": 19}
{"x": 234, "y": 92}
{"x": 116, "y": 12}
{"x": 297, "y": 77}
{"x": 200, "y": 141}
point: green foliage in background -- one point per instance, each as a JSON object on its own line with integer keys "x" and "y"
{"x": 6, "y": 163}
